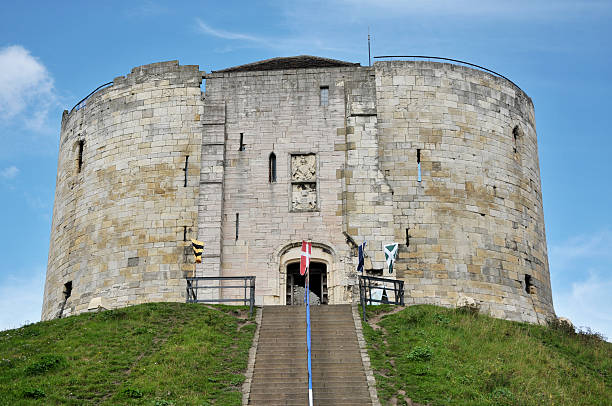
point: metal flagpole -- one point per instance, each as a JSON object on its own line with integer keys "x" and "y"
{"x": 308, "y": 338}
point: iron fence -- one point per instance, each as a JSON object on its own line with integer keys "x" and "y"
{"x": 208, "y": 282}
{"x": 386, "y": 291}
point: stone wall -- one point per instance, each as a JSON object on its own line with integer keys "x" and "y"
{"x": 474, "y": 222}
{"x": 437, "y": 157}
{"x": 119, "y": 219}
{"x": 280, "y": 112}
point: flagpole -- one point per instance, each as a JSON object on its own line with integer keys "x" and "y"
{"x": 308, "y": 337}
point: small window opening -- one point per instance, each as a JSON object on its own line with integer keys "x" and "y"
{"x": 80, "y": 156}
{"x": 67, "y": 290}
{"x": 272, "y": 168}
{"x": 515, "y": 134}
{"x": 324, "y": 95}
{"x": 528, "y": 284}
{"x": 408, "y": 237}
{"x": 241, "y": 148}
{"x": 237, "y": 224}
{"x": 419, "y": 165}
{"x": 185, "y": 169}
{"x": 184, "y": 233}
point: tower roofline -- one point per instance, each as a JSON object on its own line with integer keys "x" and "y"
{"x": 291, "y": 62}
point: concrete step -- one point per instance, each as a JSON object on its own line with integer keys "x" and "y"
{"x": 302, "y": 399}
{"x": 280, "y": 373}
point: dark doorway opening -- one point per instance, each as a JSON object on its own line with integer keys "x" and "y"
{"x": 318, "y": 282}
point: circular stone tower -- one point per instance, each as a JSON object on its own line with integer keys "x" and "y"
{"x": 126, "y": 189}
{"x": 439, "y": 158}
{"x": 458, "y": 148}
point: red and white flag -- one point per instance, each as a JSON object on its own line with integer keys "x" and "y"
{"x": 305, "y": 257}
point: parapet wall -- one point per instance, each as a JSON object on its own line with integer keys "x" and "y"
{"x": 121, "y": 205}
{"x": 473, "y": 225}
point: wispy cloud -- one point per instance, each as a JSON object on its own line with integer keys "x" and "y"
{"x": 292, "y": 44}
{"x": 587, "y": 303}
{"x": 581, "y": 274}
{"x": 9, "y": 172}
{"x": 567, "y": 254}
{"x": 146, "y": 9}
{"x": 26, "y": 87}
{"x": 207, "y": 29}
{"x": 21, "y": 298}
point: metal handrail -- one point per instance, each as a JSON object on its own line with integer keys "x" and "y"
{"x": 448, "y": 59}
{"x": 89, "y": 95}
{"x": 365, "y": 291}
{"x": 193, "y": 286}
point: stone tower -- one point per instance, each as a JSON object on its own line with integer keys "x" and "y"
{"x": 439, "y": 158}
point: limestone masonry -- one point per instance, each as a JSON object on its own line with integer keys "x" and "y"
{"x": 439, "y": 158}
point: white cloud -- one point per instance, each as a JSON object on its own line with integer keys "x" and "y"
{"x": 290, "y": 44}
{"x": 146, "y": 9}
{"x": 21, "y": 299}
{"x": 9, "y": 173}
{"x": 574, "y": 251}
{"x": 581, "y": 274}
{"x": 26, "y": 87}
{"x": 588, "y": 303}
{"x": 207, "y": 29}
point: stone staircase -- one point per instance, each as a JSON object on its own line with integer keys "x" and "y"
{"x": 280, "y": 375}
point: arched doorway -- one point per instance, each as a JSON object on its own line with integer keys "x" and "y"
{"x": 295, "y": 281}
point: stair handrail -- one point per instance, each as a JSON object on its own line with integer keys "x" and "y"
{"x": 248, "y": 287}
{"x": 365, "y": 291}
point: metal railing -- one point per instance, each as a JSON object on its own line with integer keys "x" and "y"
{"x": 447, "y": 59}
{"x": 207, "y": 282}
{"x": 83, "y": 101}
{"x": 387, "y": 291}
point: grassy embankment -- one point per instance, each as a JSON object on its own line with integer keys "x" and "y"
{"x": 437, "y": 356}
{"x": 153, "y": 354}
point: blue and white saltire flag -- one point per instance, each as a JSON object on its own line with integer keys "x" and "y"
{"x": 361, "y": 257}
{"x": 390, "y": 254}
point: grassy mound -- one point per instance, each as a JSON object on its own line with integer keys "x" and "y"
{"x": 152, "y": 354}
{"x": 438, "y": 356}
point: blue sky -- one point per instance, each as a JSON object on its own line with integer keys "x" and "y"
{"x": 52, "y": 54}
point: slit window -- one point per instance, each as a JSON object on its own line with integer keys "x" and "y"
{"x": 272, "y": 168}
{"x": 185, "y": 169}
{"x": 408, "y": 237}
{"x": 80, "y": 155}
{"x": 528, "y": 284}
{"x": 418, "y": 165}
{"x": 237, "y": 224}
{"x": 241, "y": 147}
{"x": 324, "y": 95}
{"x": 516, "y": 132}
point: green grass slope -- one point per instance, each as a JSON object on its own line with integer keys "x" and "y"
{"x": 438, "y": 356}
{"x": 152, "y": 354}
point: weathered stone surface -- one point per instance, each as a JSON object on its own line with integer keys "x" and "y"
{"x": 437, "y": 157}
{"x": 118, "y": 222}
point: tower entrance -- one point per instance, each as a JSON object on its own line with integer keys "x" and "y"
{"x": 296, "y": 283}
